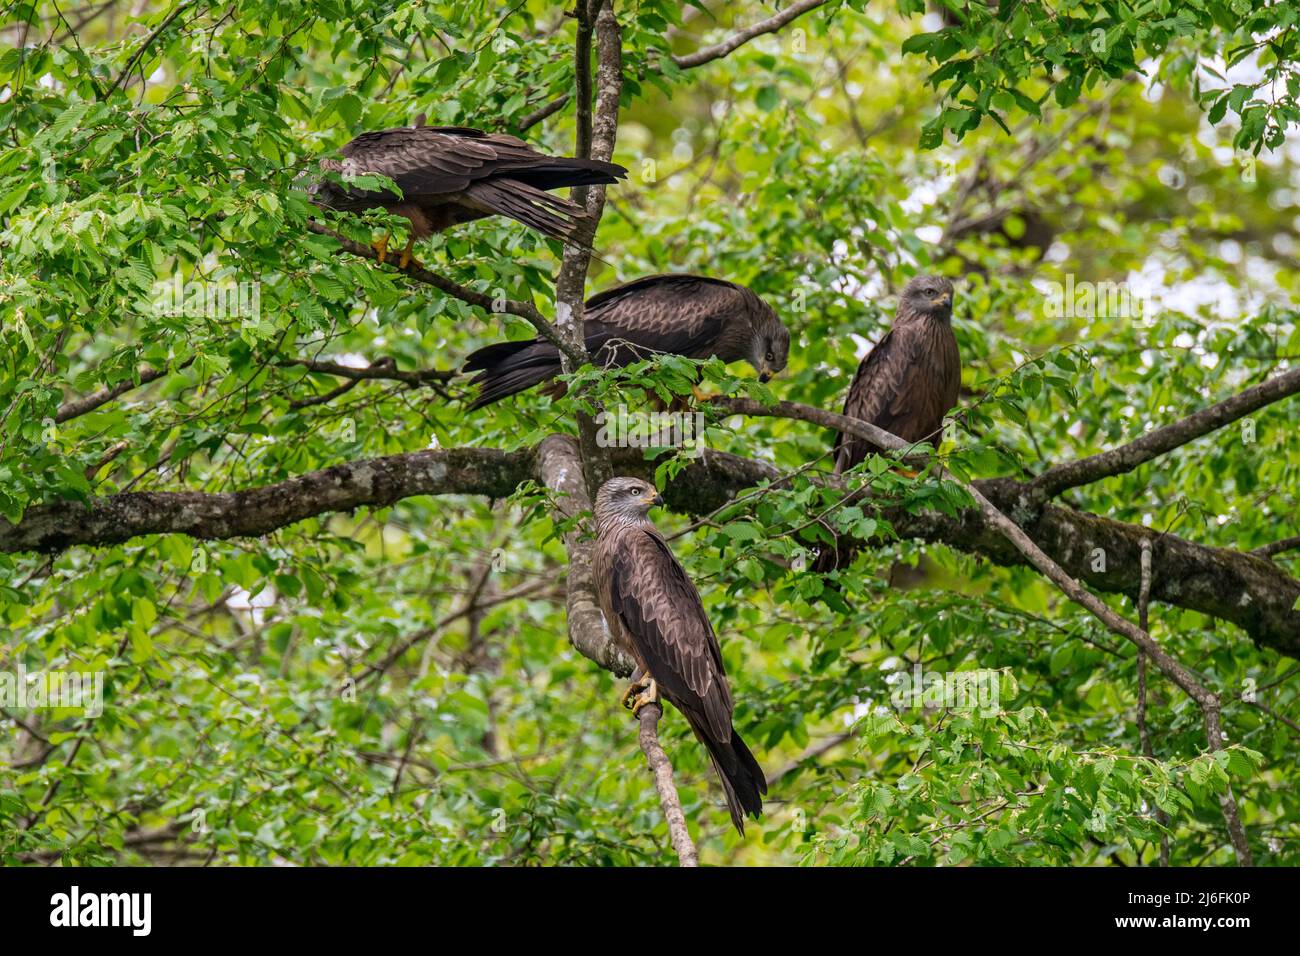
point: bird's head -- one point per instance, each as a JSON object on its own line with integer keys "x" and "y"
{"x": 770, "y": 343}
{"x": 625, "y": 499}
{"x": 928, "y": 295}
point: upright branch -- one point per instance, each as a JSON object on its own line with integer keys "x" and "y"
{"x": 662, "y": 768}
{"x": 595, "y": 140}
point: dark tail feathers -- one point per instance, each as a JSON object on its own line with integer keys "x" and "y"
{"x": 508, "y": 368}
{"x": 535, "y": 208}
{"x": 561, "y": 171}
{"x": 742, "y": 778}
{"x": 521, "y": 193}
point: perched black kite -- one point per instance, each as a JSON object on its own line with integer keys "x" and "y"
{"x": 905, "y": 385}
{"x": 682, "y": 314}
{"x": 450, "y": 174}
{"x": 654, "y": 613}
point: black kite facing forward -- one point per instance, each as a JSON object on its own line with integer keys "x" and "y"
{"x": 681, "y": 314}
{"x": 450, "y": 174}
{"x": 905, "y": 385}
{"x": 655, "y": 614}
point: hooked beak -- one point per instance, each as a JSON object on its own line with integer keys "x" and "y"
{"x": 765, "y": 376}
{"x": 944, "y": 301}
{"x": 654, "y": 500}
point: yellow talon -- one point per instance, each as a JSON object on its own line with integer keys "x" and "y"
{"x": 648, "y": 696}
{"x": 381, "y": 247}
{"x": 639, "y": 684}
{"x": 406, "y": 259}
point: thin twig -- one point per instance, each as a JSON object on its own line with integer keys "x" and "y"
{"x": 740, "y": 38}
{"x": 148, "y": 42}
{"x": 525, "y": 310}
{"x": 1144, "y": 735}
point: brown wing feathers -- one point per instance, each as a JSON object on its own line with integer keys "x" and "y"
{"x": 905, "y": 385}
{"x": 678, "y": 314}
{"x": 475, "y": 173}
{"x": 658, "y": 608}
{"x": 549, "y": 215}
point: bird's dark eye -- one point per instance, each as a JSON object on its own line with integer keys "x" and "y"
{"x": 771, "y": 357}
{"x": 928, "y": 290}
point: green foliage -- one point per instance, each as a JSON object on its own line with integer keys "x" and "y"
{"x": 396, "y": 686}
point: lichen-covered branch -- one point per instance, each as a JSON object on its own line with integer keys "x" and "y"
{"x": 559, "y": 467}
{"x": 1241, "y": 588}
{"x": 369, "y": 482}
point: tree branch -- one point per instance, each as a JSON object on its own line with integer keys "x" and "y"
{"x": 541, "y": 113}
{"x": 385, "y": 369}
{"x": 735, "y": 41}
{"x": 148, "y": 42}
{"x": 1243, "y": 589}
{"x": 595, "y": 139}
{"x": 76, "y": 407}
{"x": 662, "y": 768}
{"x": 1125, "y": 458}
{"x": 1278, "y": 547}
{"x": 373, "y": 482}
{"x": 1169, "y": 666}
{"x": 525, "y": 310}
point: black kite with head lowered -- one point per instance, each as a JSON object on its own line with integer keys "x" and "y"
{"x": 451, "y": 174}
{"x": 655, "y": 614}
{"x": 679, "y": 314}
{"x": 905, "y": 385}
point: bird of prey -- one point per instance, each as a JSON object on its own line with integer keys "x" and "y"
{"x": 905, "y": 385}
{"x": 655, "y": 614}
{"x": 450, "y": 174}
{"x": 681, "y": 314}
